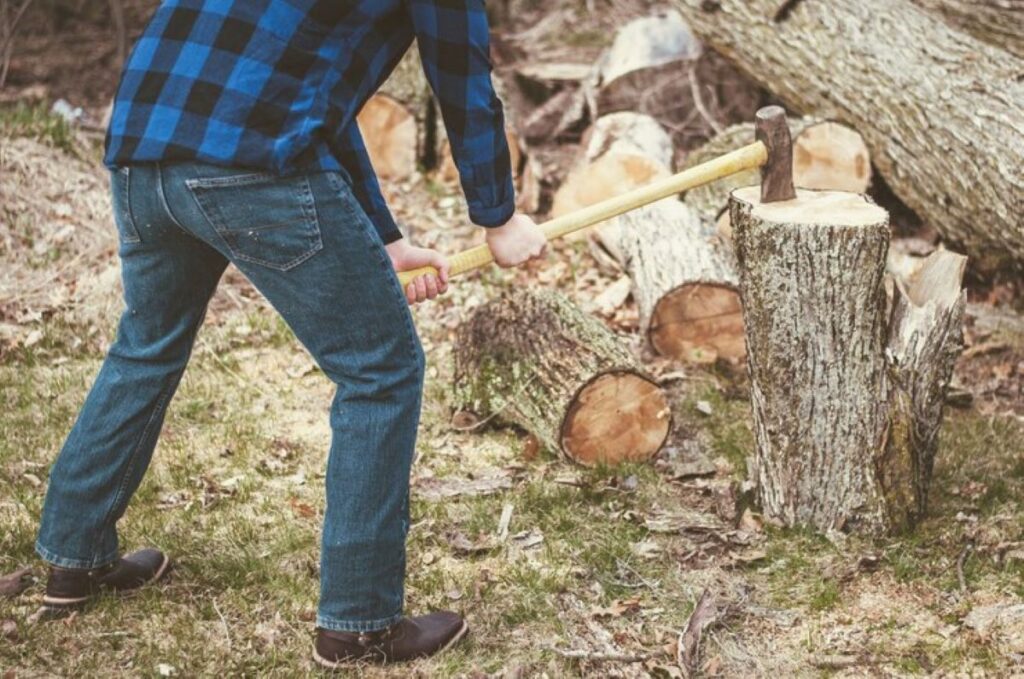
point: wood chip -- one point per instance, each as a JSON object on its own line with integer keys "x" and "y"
{"x": 705, "y": 614}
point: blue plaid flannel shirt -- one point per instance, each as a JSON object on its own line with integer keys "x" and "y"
{"x": 276, "y": 85}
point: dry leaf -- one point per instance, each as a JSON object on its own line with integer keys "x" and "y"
{"x": 751, "y": 522}
{"x": 531, "y": 448}
{"x": 302, "y": 509}
{"x": 617, "y": 609}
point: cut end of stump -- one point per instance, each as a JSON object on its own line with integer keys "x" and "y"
{"x": 617, "y": 417}
{"x": 815, "y": 208}
{"x": 699, "y": 323}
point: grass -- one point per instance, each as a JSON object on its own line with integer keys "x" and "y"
{"x": 36, "y": 121}
{"x": 236, "y": 495}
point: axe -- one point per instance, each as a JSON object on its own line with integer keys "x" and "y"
{"x": 772, "y": 152}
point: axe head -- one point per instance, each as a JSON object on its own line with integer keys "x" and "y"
{"x": 772, "y": 129}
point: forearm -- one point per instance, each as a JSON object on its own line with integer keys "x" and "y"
{"x": 454, "y": 46}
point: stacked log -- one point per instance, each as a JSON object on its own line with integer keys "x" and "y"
{"x": 684, "y": 282}
{"x": 621, "y": 151}
{"x": 540, "y": 362}
{"x": 940, "y": 114}
{"x": 656, "y": 66}
{"x": 847, "y": 403}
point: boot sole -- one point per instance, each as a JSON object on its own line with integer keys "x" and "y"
{"x": 340, "y": 664}
{"x": 55, "y": 604}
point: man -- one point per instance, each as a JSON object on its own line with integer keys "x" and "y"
{"x": 233, "y": 139}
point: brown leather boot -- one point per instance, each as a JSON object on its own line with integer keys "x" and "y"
{"x": 407, "y": 639}
{"x": 69, "y": 589}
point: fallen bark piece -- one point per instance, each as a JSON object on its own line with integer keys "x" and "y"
{"x": 540, "y": 362}
{"x": 13, "y": 584}
{"x": 684, "y": 281}
{"x": 940, "y": 114}
{"x": 997, "y": 22}
{"x": 705, "y": 614}
{"x": 846, "y": 406}
{"x": 925, "y": 340}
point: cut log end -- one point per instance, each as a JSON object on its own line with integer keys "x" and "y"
{"x": 609, "y": 175}
{"x": 699, "y": 323}
{"x": 831, "y": 156}
{"x": 815, "y": 208}
{"x": 390, "y": 131}
{"x": 616, "y": 417}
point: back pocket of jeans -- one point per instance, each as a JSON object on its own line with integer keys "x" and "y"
{"x": 262, "y": 218}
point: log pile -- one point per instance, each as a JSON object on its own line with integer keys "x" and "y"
{"x": 849, "y": 357}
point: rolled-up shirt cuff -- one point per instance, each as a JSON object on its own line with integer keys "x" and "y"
{"x": 491, "y": 216}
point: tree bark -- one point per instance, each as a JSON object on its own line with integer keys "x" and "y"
{"x": 940, "y": 111}
{"x": 997, "y": 22}
{"x": 684, "y": 282}
{"x": 846, "y": 406}
{"x": 925, "y": 340}
{"x": 536, "y": 360}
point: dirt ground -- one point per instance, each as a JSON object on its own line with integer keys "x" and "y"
{"x": 594, "y": 573}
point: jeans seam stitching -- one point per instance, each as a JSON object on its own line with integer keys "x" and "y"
{"x": 132, "y": 237}
{"x": 163, "y": 200}
{"x": 133, "y": 457}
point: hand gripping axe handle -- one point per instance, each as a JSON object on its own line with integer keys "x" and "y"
{"x": 772, "y": 152}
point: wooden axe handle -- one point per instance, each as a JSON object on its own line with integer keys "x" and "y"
{"x": 747, "y": 158}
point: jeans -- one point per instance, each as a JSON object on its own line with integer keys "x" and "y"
{"x": 308, "y": 247}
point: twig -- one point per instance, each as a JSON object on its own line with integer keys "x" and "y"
{"x": 960, "y": 561}
{"x": 227, "y": 630}
{"x": 698, "y": 101}
{"x": 840, "y": 662}
{"x": 593, "y": 656}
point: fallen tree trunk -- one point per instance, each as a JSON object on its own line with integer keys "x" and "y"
{"x": 939, "y": 110}
{"x": 540, "y": 362}
{"x": 997, "y": 22}
{"x": 684, "y": 282}
{"x": 844, "y": 420}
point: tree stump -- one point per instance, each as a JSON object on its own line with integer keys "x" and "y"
{"x": 845, "y": 405}
{"x": 536, "y": 360}
{"x": 684, "y": 282}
